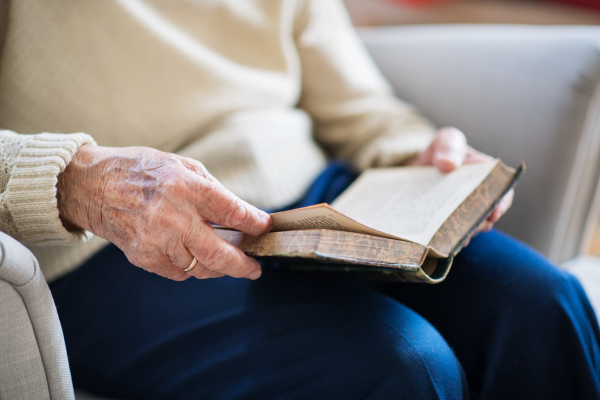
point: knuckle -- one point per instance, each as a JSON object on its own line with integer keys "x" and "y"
{"x": 456, "y": 133}
{"x": 217, "y": 259}
{"x": 170, "y": 159}
{"x": 224, "y": 261}
{"x": 193, "y": 165}
{"x": 238, "y": 214}
{"x": 452, "y": 137}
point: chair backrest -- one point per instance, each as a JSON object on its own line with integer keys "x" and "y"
{"x": 521, "y": 93}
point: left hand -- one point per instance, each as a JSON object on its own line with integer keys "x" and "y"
{"x": 448, "y": 151}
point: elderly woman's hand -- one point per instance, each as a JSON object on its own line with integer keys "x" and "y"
{"x": 448, "y": 151}
{"x": 157, "y": 208}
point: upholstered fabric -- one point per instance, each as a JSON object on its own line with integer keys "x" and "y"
{"x": 521, "y": 93}
{"x": 21, "y": 368}
{"x": 33, "y": 360}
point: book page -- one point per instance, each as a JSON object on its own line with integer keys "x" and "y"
{"x": 320, "y": 216}
{"x": 411, "y": 203}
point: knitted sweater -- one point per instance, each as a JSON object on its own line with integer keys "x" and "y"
{"x": 262, "y": 92}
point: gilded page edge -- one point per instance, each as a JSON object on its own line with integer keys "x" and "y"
{"x": 518, "y": 173}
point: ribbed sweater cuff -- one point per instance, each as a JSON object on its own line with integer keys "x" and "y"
{"x": 31, "y": 188}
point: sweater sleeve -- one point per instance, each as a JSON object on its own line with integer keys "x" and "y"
{"x": 29, "y": 169}
{"x": 355, "y": 113}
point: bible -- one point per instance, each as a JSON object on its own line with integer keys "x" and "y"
{"x": 401, "y": 223}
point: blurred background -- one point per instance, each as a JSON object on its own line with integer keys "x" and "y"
{"x": 545, "y": 12}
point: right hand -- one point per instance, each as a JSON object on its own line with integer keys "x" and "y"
{"x": 448, "y": 151}
{"x": 157, "y": 207}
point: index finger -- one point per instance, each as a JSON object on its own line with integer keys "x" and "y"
{"x": 219, "y": 205}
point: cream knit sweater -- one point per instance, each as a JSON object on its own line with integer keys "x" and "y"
{"x": 260, "y": 91}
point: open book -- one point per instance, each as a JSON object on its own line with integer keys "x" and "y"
{"x": 403, "y": 223}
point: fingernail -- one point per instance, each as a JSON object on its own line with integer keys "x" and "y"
{"x": 446, "y": 162}
{"x": 255, "y": 275}
{"x": 269, "y": 222}
{"x": 265, "y": 216}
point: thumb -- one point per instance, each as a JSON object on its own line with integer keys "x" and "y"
{"x": 449, "y": 150}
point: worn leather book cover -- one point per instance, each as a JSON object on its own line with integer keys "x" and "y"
{"x": 324, "y": 239}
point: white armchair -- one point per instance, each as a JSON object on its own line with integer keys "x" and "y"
{"x": 520, "y": 93}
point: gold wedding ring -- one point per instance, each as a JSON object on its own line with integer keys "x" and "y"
{"x": 192, "y": 265}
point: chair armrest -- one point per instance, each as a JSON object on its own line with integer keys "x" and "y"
{"x": 522, "y": 93}
{"x": 33, "y": 358}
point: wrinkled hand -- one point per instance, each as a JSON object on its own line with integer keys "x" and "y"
{"x": 448, "y": 151}
{"x": 157, "y": 208}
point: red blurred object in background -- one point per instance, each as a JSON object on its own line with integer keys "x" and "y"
{"x": 594, "y": 4}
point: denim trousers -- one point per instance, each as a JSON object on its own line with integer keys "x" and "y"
{"x": 505, "y": 324}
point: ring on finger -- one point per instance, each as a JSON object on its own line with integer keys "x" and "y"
{"x": 191, "y": 266}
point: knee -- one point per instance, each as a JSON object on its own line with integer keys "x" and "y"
{"x": 552, "y": 297}
{"x": 409, "y": 359}
{"x": 507, "y": 276}
{"x": 426, "y": 359}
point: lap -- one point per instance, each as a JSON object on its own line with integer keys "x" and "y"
{"x": 132, "y": 334}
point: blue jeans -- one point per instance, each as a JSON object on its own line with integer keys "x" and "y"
{"x": 506, "y": 324}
